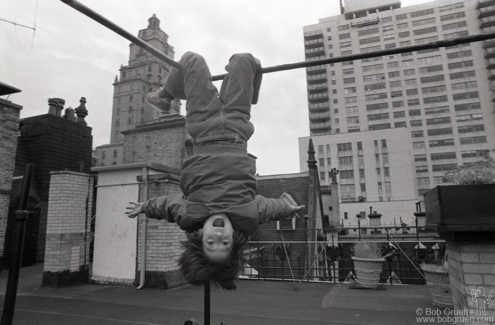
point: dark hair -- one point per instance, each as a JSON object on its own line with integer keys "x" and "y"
{"x": 197, "y": 270}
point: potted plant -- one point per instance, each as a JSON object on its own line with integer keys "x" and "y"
{"x": 437, "y": 279}
{"x": 368, "y": 262}
{"x": 468, "y": 202}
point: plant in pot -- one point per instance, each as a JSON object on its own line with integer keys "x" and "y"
{"x": 368, "y": 263}
{"x": 437, "y": 278}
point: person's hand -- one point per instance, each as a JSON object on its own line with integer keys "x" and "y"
{"x": 295, "y": 209}
{"x": 134, "y": 210}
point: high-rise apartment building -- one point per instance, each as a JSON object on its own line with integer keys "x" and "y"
{"x": 443, "y": 97}
{"x": 144, "y": 73}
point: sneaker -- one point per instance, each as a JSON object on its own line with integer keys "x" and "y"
{"x": 257, "y": 82}
{"x": 162, "y": 104}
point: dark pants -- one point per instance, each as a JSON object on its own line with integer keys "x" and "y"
{"x": 210, "y": 116}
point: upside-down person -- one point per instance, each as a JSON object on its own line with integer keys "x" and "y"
{"x": 219, "y": 207}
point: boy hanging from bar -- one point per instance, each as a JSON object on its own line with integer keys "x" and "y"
{"x": 219, "y": 207}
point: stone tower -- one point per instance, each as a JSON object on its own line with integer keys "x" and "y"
{"x": 144, "y": 73}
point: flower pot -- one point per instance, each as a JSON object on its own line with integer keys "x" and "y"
{"x": 438, "y": 282}
{"x": 368, "y": 271}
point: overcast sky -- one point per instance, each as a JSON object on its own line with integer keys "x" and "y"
{"x": 71, "y": 56}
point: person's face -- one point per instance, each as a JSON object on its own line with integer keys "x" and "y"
{"x": 217, "y": 238}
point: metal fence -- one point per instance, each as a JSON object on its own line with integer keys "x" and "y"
{"x": 329, "y": 258}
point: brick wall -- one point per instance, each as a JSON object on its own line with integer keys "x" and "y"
{"x": 159, "y": 141}
{"x": 472, "y": 271}
{"x": 9, "y": 127}
{"x": 68, "y": 235}
{"x": 274, "y": 187}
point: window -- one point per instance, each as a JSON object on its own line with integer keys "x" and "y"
{"x": 400, "y": 125}
{"x": 374, "y": 77}
{"x": 343, "y": 27}
{"x": 452, "y": 7}
{"x": 471, "y": 140}
{"x": 421, "y": 169}
{"x": 458, "y": 65}
{"x": 419, "y": 145}
{"x": 424, "y": 31}
{"x": 436, "y": 110}
{"x": 349, "y": 90}
{"x": 426, "y": 40}
{"x": 436, "y": 99}
{"x": 387, "y": 20}
{"x": 423, "y": 22}
{"x": 462, "y": 75}
{"x": 103, "y": 154}
{"x": 421, "y": 157}
{"x": 351, "y": 110}
{"x": 398, "y": 104}
{"x": 438, "y": 120}
{"x": 417, "y": 134}
{"x": 115, "y": 153}
{"x": 441, "y": 143}
{"x": 345, "y": 44}
{"x": 422, "y": 13}
{"x": 411, "y": 92}
{"x": 469, "y": 95}
{"x": 414, "y": 112}
{"x": 443, "y": 167}
{"x": 375, "y": 67}
{"x": 431, "y": 69}
{"x": 469, "y": 106}
{"x": 381, "y": 116}
{"x": 344, "y": 146}
{"x": 287, "y": 224}
{"x": 352, "y": 119}
{"x": 346, "y": 174}
{"x": 353, "y": 129}
{"x": 349, "y": 81}
{"x": 461, "y": 54}
{"x": 432, "y": 79}
{"x": 465, "y": 85}
{"x": 442, "y": 131}
{"x": 457, "y": 25}
{"x": 409, "y": 72}
{"x": 471, "y": 128}
{"x": 368, "y": 31}
{"x": 349, "y": 100}
{"x": 394, "y": 74}
{"x": 375, "y": 86}
{"x": 469, "y": 117}
{"x": 416, "y": 123}
{"x": 423, "y": 181}
{"x": 413, "y": 102}
{"x": 371, "y": 107}
{"x": 344, "y": 36}
{"x": 375, "y": 96}
{"x": 401, "y": 17}
{"x": 345, "y": 160}
{"x": 387, "y": 28}
{"x": 393, "y": 65}
{"x": 348, "y": 71}
{"x": 395, "y": 94}
{"x": 381, "y": 126}
{"x": 456, "y": 15}
{"x": 399, "y": 114}
{"x": 443, "y": 155}
{"x": 475, "y": 153}
{"x": 434, "y": 89}
{"x": 347, "y": 191}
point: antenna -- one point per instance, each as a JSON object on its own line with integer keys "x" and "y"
{"x": 29, "y": 27}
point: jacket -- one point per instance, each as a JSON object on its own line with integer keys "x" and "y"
{"x": 192, "y": 215}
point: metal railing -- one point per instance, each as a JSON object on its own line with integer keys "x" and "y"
{"x": 289, "y": 260}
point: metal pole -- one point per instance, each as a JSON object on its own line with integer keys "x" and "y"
{"x": 107, "y": 23}
{"x": 207, "y": 304}
{"x": 433, "y": 45}
{"x": 17, "y": 243}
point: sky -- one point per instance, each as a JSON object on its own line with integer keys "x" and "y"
{"x": 71, "y": 56}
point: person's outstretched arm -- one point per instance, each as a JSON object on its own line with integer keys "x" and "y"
{"x": 275, "y": 209}
{"x": 162, "y": 207}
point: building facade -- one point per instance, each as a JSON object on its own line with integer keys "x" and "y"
{"x": 375, "y": 169}
{"x": 441, "y": 98}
